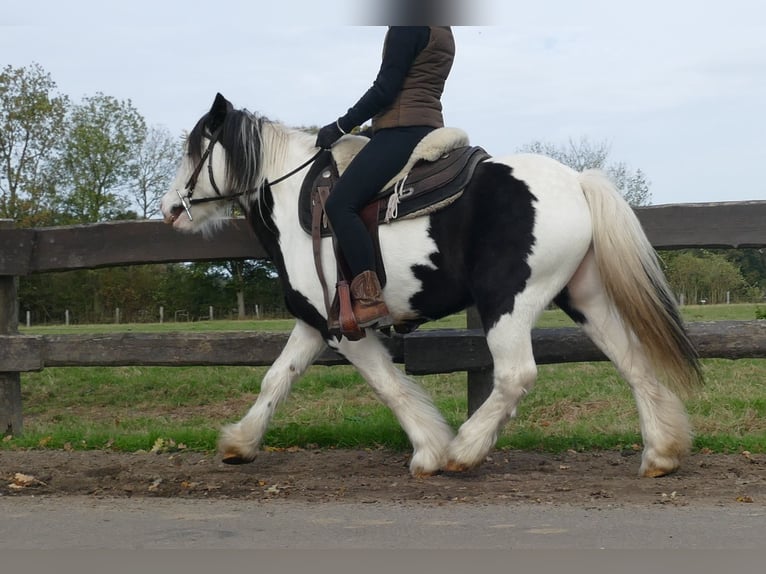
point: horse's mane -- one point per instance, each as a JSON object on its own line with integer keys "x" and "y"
{"x": 242, "y": 137}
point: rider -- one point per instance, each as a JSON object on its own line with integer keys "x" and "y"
{"x": 404, "y": 103}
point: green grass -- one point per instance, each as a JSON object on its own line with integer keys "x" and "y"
{"x": 573, "y": 406}
{"x": 195, "y": 327}
{"x": 549, "y": 318}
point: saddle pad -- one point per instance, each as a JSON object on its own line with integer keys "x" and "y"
{"x": 434, "y": 145}
{"x": 429, "y": 186}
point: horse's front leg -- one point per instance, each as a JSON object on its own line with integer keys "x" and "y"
{"x": 427, "y": 430}
{"x": 239, "y": 442}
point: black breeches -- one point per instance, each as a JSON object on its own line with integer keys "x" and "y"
{"x": 378, "y": 161}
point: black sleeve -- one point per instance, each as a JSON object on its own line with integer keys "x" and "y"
{"x": 403, "y": 44}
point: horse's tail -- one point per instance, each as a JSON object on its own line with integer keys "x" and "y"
{"x": 635, "y": 283}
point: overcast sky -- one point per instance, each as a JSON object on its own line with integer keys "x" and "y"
{"x": 676, "y": 87}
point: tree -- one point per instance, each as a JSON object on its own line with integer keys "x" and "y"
{"x": 697, "y": 275}
{"x": 92, "y": 295}
{"x": 237, "y": 283}
{"x": 193, "y": 288}
{"x": 584, "y": 154}
{"x": 31, "y": 131}
{"x": 633, "y": 185}
{"x": 104, "y": 137}
{"x": 752, "y": 265}
{"x": 254, "y": 281}
{"x": 153, "y": 169}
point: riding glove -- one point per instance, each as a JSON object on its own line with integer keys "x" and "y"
{"x": 328, "y": 135}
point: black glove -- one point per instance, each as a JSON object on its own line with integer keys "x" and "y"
{"x": 328, "y": 135}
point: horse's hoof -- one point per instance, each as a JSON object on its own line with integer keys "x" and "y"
{"x": 657, "y": 466}
{"x": 235, "y": 458}
{"x": 453, "y": 466}
{"x": 657, "y": 472}
{"x": 426, "y": 474}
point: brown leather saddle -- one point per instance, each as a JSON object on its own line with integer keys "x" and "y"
{"x": 428, "y": 187}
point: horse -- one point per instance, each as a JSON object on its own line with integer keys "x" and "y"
{"x": 526, "y": 231}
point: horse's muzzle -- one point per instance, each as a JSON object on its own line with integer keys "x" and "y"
{"x": 174, "y": 213}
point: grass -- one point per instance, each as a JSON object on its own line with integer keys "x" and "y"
{"x": 573, "y": 406}
{"x": 194, "y": 327}
{"x": 549, "y": 318}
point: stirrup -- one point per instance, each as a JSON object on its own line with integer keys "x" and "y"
{"x": 349, "y": 328}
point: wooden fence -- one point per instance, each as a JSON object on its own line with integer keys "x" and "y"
{"x": 27, "y": 251}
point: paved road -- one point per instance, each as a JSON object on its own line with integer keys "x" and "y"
{"x": 92, "y": 523}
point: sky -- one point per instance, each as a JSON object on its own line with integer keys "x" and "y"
{"x": 676, "y": 88}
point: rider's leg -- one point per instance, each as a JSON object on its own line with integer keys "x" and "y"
{"x": 379, "y": 161}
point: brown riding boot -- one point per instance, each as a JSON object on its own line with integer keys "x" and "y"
{"x": 367, "y": 301}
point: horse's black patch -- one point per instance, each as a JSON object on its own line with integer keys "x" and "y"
{"x": 259, "y": 217}
{"x": 488, "y": 236}
{"x": 564, "y": 301}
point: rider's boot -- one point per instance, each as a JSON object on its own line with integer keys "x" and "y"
{"x": 367, "y": 301}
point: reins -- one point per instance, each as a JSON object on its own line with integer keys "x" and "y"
{"x": 187, "y": 201}
{"x": 296, "y": 170}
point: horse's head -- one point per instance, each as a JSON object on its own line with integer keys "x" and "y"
{"x": 220, "y": 164}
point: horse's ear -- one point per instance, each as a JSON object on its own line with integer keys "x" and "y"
{"x": 221, "y": 106}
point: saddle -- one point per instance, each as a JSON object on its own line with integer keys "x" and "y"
{"x": 435, "y": 176}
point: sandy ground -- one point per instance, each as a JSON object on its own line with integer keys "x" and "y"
{"x": 359, "y": 476}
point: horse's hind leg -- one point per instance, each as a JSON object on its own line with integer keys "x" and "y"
{"x": 427, "y": 430}
{"x": 509, "y": 304}
{"x": 664, "y": 424}
{"x": 239, "y": 442}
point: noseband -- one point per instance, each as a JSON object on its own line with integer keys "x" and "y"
{"x": 187, "y": 201}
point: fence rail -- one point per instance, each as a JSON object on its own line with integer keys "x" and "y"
{"x": 425, "y": 352}
{"x": 27, "y": 251}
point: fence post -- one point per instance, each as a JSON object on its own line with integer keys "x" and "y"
{"x": 10, "y": 383}
{"x": 479, "y": 381}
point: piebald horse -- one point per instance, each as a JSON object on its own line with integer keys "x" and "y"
{"x": 526, "y": 231}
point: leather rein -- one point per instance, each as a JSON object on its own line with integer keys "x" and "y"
{"x": 187, "y": 201}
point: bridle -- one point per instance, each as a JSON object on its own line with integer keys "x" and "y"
{"x": 187, "y": 201}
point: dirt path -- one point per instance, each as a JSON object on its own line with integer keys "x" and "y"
{"x": 359, "y": 476}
